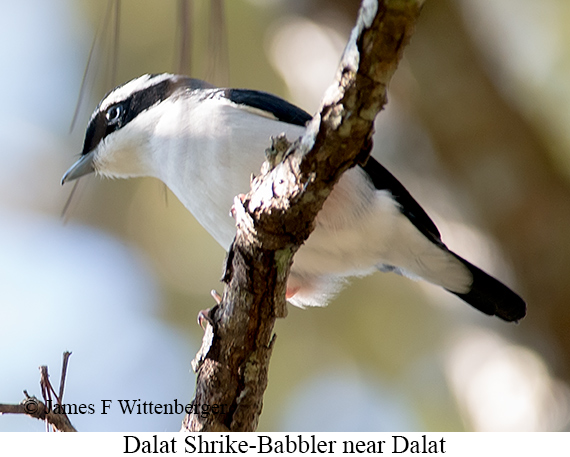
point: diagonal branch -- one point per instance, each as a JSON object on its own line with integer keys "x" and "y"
{"x": 278, "y": 215}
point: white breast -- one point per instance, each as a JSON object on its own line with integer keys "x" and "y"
{"x": 358, "y": 228}
{"x": 213, "y": 161}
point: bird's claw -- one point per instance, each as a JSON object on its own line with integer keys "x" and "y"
{"x": 216, "y": 296}
{"x": 203, "y": 317}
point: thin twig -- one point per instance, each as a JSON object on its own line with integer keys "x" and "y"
{"x": 37, "y": 409}
{"x": 185, "y": 24}
{"x": 101, "y": 30}
{"x": 115, "y": 50}
{"x": 64, "y": 364}
{"x": 218, "y": 57}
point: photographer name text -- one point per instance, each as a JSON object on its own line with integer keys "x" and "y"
{"x": 132, "y": 407}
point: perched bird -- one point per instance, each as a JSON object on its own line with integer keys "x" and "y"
{"x": 205, "y": 142}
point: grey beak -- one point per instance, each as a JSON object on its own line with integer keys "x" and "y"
{"x": 80, "y": 168}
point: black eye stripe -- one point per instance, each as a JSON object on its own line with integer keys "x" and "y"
{"x": 142, "y": 100}
{"x": 114, "y": 118}
{"x": 95, "y": 132}
{"x": 114, "y": 113}
{"x": 103, "y": 123}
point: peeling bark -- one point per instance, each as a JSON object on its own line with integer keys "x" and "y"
{"x": 278, "y": 215}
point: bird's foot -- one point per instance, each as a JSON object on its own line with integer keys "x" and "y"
{"x": 204, "y": 315}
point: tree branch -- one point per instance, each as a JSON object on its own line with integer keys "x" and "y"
{"x": 37, "y": 409}
{"x": 278, "y": 215}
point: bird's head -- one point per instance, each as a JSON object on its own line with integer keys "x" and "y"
{"x": 121, "y": 127}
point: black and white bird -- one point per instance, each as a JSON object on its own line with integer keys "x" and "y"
{"x": 205, "y": 142}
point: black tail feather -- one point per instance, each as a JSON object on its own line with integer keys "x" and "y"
{"x": 491, "y": 296}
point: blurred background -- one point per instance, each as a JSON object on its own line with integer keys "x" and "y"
{"x": 476, "y": 128}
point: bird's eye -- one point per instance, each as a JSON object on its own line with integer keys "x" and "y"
{"x": 114, "y": 114}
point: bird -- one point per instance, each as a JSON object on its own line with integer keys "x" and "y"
{"x": 205, "y": 142}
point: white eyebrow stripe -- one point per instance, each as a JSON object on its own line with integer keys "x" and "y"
{"x": 123, "y": 92}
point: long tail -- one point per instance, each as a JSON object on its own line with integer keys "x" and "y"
{"x": 491, "y": 296}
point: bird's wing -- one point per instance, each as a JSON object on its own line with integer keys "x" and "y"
{"x": 276, "y": 107}
{"x": 486, "y": 293}
{"x": 409, "y": 207}
{"x": 381, "y": 178}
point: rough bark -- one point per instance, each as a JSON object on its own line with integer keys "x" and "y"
{"x": 277, "y": 216}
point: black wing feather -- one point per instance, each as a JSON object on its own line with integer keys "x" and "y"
{"x": 281, "y": 109}
{"x": 409, "y": 207}
{"x": 381, "y": 178}
{"x": 487, "y": 294}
